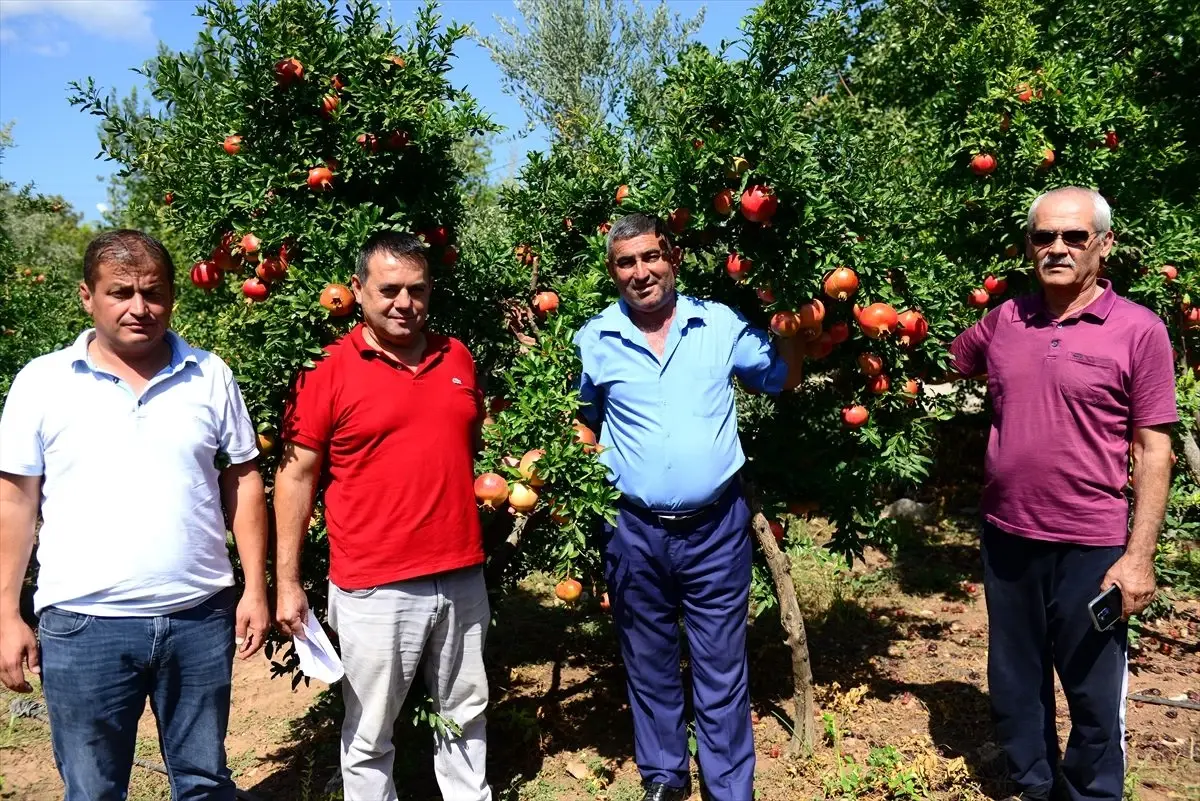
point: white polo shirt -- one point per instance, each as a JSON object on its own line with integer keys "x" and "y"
{"x": 132, "y": 523}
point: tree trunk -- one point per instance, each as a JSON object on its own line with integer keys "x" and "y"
{"x": 503, "y": 552}
{"x": 804, "y": 733}
{"x": 1191, "y": 455}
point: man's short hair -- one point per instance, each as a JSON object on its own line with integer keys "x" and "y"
{"x": 127, "y": 247}
{"x": 397, "y": 244}
{"x": 1101, "y": 212}
{"x": 633, "y": 225}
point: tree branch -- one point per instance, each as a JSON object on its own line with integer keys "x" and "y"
{"x": 804, "y": 731}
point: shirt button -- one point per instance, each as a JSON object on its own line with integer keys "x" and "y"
{"x": 1054, "y": 343}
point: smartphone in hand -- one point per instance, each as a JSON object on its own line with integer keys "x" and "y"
{"x": 1106, "y": 608}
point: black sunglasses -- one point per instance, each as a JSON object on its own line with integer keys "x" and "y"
{"x": 1074, "y": 238}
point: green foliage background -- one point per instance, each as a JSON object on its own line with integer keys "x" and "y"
{"x": 862, "y": 116}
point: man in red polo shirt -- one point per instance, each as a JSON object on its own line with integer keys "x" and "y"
{"x": 388, "y": 420}
{"x": 1076, "y": 374}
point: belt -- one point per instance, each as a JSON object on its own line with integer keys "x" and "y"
{"x": 674, "y": 520}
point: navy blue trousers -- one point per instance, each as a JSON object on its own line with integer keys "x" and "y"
{"x": 1038, "y": 622}
{"x": 701, "y": 570}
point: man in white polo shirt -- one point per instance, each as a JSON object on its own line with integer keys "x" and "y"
{"x": 131, "y": 444}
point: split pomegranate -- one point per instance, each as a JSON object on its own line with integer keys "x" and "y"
{"x": 337, "y": 299}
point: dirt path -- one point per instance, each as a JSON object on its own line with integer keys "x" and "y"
{"x": 900, "y": 655}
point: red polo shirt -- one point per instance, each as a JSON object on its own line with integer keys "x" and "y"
{"x": 1066, "y": 397}
{"x": 398, "y": 450}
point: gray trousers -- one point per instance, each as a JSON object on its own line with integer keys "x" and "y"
{"x": 435, "y": 625}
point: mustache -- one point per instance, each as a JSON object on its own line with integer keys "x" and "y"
{"x": 1056, "y": 261}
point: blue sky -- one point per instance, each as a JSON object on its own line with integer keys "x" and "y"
{"x": 45, "y": 44}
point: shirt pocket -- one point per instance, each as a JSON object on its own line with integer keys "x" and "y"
{"x": 1087, "y": 378}
{"x": 710, "y": 393}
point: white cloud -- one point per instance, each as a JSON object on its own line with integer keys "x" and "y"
{"x": 112, "y": 19}
{"x": 7, "y": 34}
{"x": 53, "y": 49}
{"x": 102, "y": 208}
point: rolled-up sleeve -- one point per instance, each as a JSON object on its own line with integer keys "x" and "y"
{"x": 755, "y": 360}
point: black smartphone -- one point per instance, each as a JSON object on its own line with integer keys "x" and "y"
{"x": 1106, "y": 608}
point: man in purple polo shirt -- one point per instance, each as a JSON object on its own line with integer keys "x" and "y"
{"x": 1075, "y": 374}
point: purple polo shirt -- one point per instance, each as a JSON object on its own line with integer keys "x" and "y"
{"x": 1066, "y": 397}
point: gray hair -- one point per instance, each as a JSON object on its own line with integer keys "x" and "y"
{"x": 1101, "y": 212}
{"x": 633, "y": 225}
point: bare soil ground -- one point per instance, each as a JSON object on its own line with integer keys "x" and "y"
{"x": 899, "y": 648}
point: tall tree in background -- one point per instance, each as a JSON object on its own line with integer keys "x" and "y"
{"x": 585, "y": 58}
{"x": 41, "y": 253}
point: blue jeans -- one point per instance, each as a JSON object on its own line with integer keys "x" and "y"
{"x": 97, "y": 673}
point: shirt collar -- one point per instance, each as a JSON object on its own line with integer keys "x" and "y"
{"x": 1032, "y": 306}
{"x": 182, "y": 354}
{"x": 616, "y": 317}
{"x": 433, "y": 343}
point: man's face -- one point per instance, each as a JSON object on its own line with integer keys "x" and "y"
{"x": 1073, "y": 258}
{"x": 130, "y": 304}
{"x": 644, "y": 272}
{"x": 395, "y": 297}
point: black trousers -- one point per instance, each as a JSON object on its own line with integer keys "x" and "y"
{"x": 1038, "y": 622}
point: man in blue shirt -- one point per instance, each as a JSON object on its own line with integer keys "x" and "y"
{"x": 657, "y": 378}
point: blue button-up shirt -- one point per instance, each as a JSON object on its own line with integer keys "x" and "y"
{"x": 668, "y": 424}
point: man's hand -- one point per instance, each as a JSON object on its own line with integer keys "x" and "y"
{"x": 1135, "y": 577}
{"x": 253, "y": 623}
{"x": 291, "y": 608}
{"x": 18, "y": 647}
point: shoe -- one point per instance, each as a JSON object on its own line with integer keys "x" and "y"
{"x": 657, "y": 791}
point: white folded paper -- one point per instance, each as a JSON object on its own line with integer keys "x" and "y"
{"x": 318, "y": 660}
